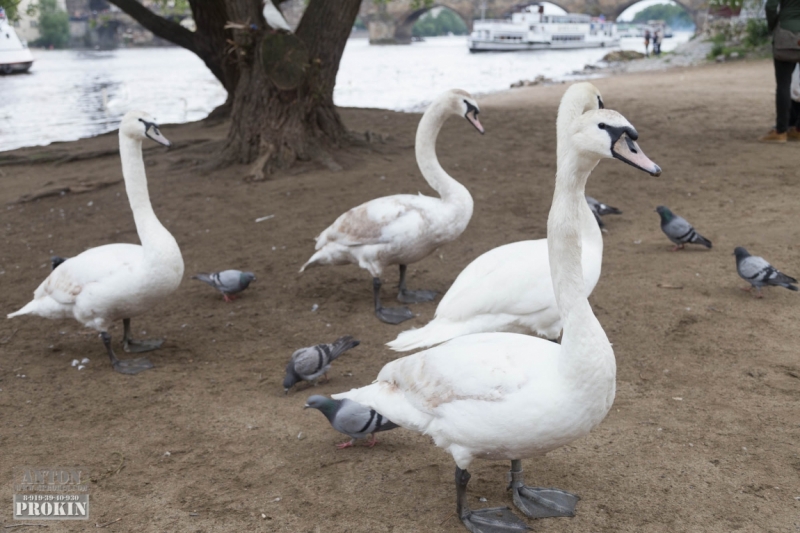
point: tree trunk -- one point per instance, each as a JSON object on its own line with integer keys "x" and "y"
{"x": 273, "y": 127}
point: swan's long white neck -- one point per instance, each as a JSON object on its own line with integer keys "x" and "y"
{"x": 151, "y": 231}
{"x": 588, "y": 360}
{"x": 451, "y": 191}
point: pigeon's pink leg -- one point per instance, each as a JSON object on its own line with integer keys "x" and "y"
{"x": 227, "y": 298}
{"x": 373, "y": 441}
{"x": 758, "y": 293}
{"x": 677, "y": 247}
{"x": 746, "y": 289}
{"x": 344, "y": 445}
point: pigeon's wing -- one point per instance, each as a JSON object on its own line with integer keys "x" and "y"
{"x": 753, "y": 268}
{"x": 356, "y": 420}
{"x": 605, "y": 209}
{"x": 773, "y": 276}
{"x": 229, "y": 281}
{"x": 678, "y": 230}
{"x": 309, "y": 361}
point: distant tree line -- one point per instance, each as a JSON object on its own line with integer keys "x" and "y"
{"x": 675, "y": 16}
{"x": 444, "y": 22}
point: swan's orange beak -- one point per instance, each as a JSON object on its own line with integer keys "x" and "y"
{"x": 626, "y": 149}
{"x": 472, "y": 117}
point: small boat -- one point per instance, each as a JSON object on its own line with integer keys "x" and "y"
{"x": 531, "y": 29}
{"x": 14, "y": 54}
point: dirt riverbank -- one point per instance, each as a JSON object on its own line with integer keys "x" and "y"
{"x": 704, "y": 432}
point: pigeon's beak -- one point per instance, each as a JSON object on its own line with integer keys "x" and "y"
{"x": 306, "y": 406}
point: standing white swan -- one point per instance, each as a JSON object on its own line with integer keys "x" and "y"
{"x": 118, "y": 281}
{"x": 505, "y": 396}
{"x": 509, "y": 287}
{"x": 404, "y": 228}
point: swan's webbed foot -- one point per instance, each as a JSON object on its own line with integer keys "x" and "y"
{"x": 412, "y": 297}
{"x": 394, "y": 315}
{"x": 390, "y": 315}
{"x": 124, "y": 366}
{"x": 134, "y": 346}
{"x": 539, "y": 502}
{"x": 415, "y": 297}
{"x": 490, "y": 520}
{"x": 132, "y": 366}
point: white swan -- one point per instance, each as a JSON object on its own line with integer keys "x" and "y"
{"x": 118, "y": 281}
{"x": 404, "y": 228}
{"x": 509, "y": 287}
{"x": 508, "y": 396}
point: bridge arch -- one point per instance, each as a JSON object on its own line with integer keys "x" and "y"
{"x": 698, "y": 16}
{"x": 391, "y": 22}
{"x": 405, "y": 27}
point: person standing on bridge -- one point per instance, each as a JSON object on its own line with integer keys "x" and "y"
{"x": 783, "y": 20}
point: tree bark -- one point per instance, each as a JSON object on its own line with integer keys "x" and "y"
{"x": 271, "y": 128}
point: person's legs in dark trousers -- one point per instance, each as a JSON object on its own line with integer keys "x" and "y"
{"x": 794, "y": 115}
{"x": 783, "y": 94}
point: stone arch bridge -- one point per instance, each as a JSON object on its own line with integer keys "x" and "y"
{"x": 391, "y": 22}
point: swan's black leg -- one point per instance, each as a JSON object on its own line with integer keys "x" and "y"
{"x": 539, "y": 502}
{"x": 390, "y": 315}
{"x": 124, "y": 366}
{"x": 490, "y": 520}
{"x": 412, "y": 297}
{"x": 132, "y": 346}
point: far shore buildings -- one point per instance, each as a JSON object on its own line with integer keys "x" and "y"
{"x": 27, "y": 27}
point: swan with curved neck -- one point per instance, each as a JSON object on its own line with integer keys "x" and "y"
{"x": 504, "y": 396}
{"x": 118, "y": 281}
{"x": 509, "y": 288}
{"x": 404, "y": 228}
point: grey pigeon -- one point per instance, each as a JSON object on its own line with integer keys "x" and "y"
{"x": 679, "y": 230}
{"x": 351, "y": 418}
{"x": 55, "y": 261}
{"x": 758, "y": 273}
{"x": 600, "y": 209}
{"x": 307, "y": 364}
{"x": 227, "y": 282}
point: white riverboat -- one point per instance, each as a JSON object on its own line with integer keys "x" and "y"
{"x": 14, "y": 54}
{"x": 532, "y": 29}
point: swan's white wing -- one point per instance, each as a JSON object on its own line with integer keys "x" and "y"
{"x": 67, "y": 281}
{"x": 511, "y": 279}
{"x": 379, "y": 221}
{"x": 418, "y": 390}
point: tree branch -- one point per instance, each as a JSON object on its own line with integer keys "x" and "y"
{"x": 161, "y": 27}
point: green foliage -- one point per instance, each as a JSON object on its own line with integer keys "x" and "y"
{"x": 12, "y": 9}
{"x": 757, "y": 33}
{"x": 675, "y": 16}
{"x": 53, "y": 25}
{"x": 443, "y": 23}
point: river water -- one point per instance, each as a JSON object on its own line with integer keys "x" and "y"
{"x": 72, "y": 94}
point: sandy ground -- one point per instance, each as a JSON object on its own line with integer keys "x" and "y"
{"x": 703, "y": 434}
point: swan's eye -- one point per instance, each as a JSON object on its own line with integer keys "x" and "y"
{"x": 602, "y": 125}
